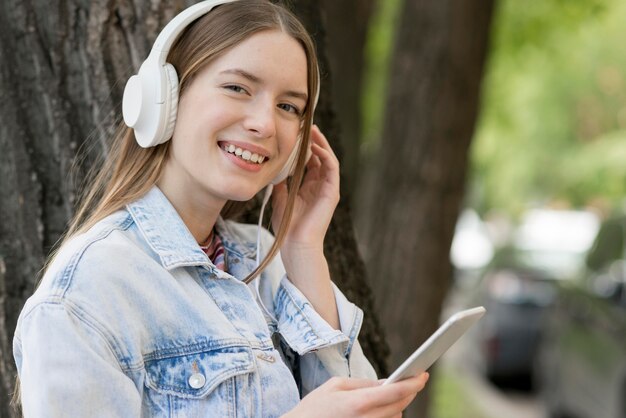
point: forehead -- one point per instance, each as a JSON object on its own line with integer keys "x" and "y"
{"x": 272, "y": 56}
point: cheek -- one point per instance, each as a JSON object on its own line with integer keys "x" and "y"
{"x": 289, "y": 141}
{"x": 189, "y": 150}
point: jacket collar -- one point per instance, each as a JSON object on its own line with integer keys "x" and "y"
{"x": 167, "y": 234}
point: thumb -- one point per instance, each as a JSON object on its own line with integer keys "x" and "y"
{"x": 354, "y": 383}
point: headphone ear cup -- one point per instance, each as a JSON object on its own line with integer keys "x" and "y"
{"x": 290, "y": 165}
{"x": 171, "y": 103}
{"x": 286, "y": 170}
{"x": 151, "y": 118}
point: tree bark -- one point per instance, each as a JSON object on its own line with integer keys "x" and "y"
{"x": 431, "y": 110}
{"x": 347, "y": 23}
{"x": 61, "y": 92}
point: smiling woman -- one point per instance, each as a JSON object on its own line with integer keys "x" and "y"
{"x": 156, "y": 304}
{"x": 243, "y": 100}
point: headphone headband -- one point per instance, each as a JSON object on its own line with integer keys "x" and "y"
{"x": 150, "y": 102}
{"x": 170, "y": 32}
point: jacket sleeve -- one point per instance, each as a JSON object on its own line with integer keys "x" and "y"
{"x": 323, "y": 352}
{"x": 67, "y": 368}
{"x": 313, "y": 349}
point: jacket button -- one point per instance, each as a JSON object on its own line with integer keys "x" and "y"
{"x": 197, "y": 380}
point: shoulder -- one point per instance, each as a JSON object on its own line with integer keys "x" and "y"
{"x": 92, "y": 279}
{"x": 83, "y": 260}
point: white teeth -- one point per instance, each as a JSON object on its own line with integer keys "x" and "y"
{"x": 244, "y": 154}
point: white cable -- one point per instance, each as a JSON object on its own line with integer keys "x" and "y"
{"x": 266, "y": 198}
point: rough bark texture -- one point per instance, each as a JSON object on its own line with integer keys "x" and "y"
{"x": 63, "y": 65}
{"x": 431, "y": 110}
{"x": 346, "y": 23}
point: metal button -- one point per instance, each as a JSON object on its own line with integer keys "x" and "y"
{"x": 197, "y": 380}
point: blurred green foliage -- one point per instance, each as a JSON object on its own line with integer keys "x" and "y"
{"x": 553, "y": 118}
{"x": 552, "y": 126}
{"x": 378, "y": 48}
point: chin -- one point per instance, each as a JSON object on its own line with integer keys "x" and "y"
{"x": 242, "y": 195}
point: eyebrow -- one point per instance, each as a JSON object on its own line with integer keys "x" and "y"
{"x": 255, "y": 79}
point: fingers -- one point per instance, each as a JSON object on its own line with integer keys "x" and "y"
{"x": 323, "y": 164}
{"x": 394, "y": 409}
{"x": 365, "y": 397}
{"x": 401, "y": 389}
{"x": 321, "y": 147}
{"x": 398, "y": 393}
{"x": 317, "y": 137}
{"x": 352, "y": 383}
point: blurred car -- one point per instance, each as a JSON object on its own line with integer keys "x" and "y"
{"x": 516, "y": 300}
{"x": 582, "y": 360}
{"x": 520, "y": 285}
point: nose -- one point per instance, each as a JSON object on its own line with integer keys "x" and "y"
{"x": 260, "y": 119}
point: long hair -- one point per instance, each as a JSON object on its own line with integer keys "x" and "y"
{"x": 129, "y": 171}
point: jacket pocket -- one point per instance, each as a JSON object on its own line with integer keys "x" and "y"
{"x": 197, "y": 384}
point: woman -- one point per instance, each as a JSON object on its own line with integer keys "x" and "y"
{"x": 145, "y": 309}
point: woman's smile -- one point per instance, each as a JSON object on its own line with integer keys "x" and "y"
{"x": 244, "y": 156}
{"x": 247, "y": 104}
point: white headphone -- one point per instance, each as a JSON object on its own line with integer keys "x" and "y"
{"x": 150, "y": 100}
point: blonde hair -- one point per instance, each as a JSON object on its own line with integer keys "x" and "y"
{"x": 130, "y": 171}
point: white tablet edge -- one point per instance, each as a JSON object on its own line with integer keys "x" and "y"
{"x": 437, "y": 344}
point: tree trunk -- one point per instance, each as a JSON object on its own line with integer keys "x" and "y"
{"x": 431, "y": 111}
{"x": 62, "y": 90}
{"x": 346, "y": 23}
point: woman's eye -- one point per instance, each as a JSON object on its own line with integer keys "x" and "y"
{"x": 235, "y": 88}
{"x": 289, "y": 108}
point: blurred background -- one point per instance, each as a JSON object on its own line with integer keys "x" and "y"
{"x": 540, "y": 239}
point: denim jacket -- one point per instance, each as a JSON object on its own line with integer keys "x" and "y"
{"x": 132, "y": 319}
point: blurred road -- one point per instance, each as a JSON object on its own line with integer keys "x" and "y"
{"x": 492, "y": 401}
{"x": 462, "y": 362}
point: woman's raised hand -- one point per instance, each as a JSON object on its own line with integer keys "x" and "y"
{"x": 302, "y": 250}
{"x": 317, "y": 198}
{"x": 346, "y": 397}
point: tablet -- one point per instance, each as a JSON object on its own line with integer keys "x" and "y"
{"x": 437, "y": 344}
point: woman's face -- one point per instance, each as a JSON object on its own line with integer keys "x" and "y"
{"x": 239, "y": 119}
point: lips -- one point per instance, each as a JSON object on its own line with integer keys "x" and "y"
{"x": 246, "y": 152}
